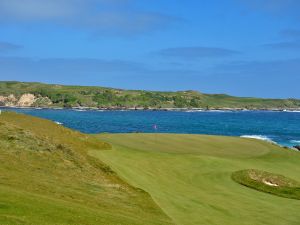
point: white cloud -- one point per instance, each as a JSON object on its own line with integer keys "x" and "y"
{"x": 109, "y": 16}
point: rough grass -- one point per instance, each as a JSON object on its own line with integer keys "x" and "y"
{"x": 189, "y": 176}
{"x": 47, "y": 177}
{"x": 268, "y": 182}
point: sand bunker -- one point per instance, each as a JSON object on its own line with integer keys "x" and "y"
{"x": 270, "y": 183}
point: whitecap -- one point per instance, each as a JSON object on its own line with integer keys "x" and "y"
{"x": 192, "y": 111}
{"x": 258, "y": 137}
{"x": 215, "y": 110}
{"x": 59, "y": 123}
{"x": 295, "y": 141}
{"x": 292, "y": 111}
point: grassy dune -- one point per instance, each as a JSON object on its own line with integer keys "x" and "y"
{"x": 189, "y": 176}
{"x": 47, "y": 177}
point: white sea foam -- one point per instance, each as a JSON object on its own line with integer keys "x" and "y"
{"x": 259, "y": 137}
{"x": 215, "y": 110}
{"x": 59, "y": 123}
{"x": 296, "y": 141}
{"x": 192, "y": 111}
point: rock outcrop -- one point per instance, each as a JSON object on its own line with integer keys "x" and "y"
{"x": 10, "y": 100}
{"x": 297, "y": 147}
{"x": 25, "y": 100}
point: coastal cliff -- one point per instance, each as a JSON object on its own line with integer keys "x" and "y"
{"x": 24, "y": 100}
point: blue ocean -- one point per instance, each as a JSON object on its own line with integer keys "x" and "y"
{"x": 280, "y": 127}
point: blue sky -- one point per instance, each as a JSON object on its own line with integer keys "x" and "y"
{"x": 238, "y": 47}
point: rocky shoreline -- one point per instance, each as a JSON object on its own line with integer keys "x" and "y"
{"x": 153, "y": 109}
{"x": 32, "y": 101}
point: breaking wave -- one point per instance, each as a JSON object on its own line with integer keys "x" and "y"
{"x": 259, "y": 137}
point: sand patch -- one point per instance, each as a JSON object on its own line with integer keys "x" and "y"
{"x": 270, "y": 183}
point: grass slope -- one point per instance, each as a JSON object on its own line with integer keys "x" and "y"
{"x": 70, "y": 96}
{"x": 47, "y": 177}
{"x": 189, "y": 176}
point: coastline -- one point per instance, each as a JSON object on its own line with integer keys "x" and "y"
{"x": 155, "y": 109}
{"x": 183, "y": 111}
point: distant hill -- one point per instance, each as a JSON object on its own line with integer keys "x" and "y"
{"x": 50, "y": 95}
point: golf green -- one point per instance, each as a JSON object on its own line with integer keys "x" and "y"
{"x": 189, "y": 176}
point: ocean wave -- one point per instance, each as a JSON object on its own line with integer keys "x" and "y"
{"x": 59, "y": 123}
{"x": 259, "y": 137}
{"x": 295, "y": 141}
{"x": 221, "y": 111}
{"x": 192, "y": 111}
{"x": 79, "y": 110}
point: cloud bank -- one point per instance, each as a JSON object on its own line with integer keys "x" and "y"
{"x": 100, "y": 16}
{"x": 290, "y": 33}
{"x": 6, "y": 47}
{"x": 192, "y": 53}
{"x": 289, "y": 45}
{"x": 273, "y": 6}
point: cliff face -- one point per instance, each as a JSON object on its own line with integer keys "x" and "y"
{"x": 8, "y": 101}
{"x": 25, "y": 100}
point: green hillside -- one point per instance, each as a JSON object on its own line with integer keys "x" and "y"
{"x": 47, "y": 178}
{"x": 46, "y": 95}
{"x": 190, "y": 176}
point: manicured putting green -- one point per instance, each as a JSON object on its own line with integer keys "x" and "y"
{"x": 268, "y": 182}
